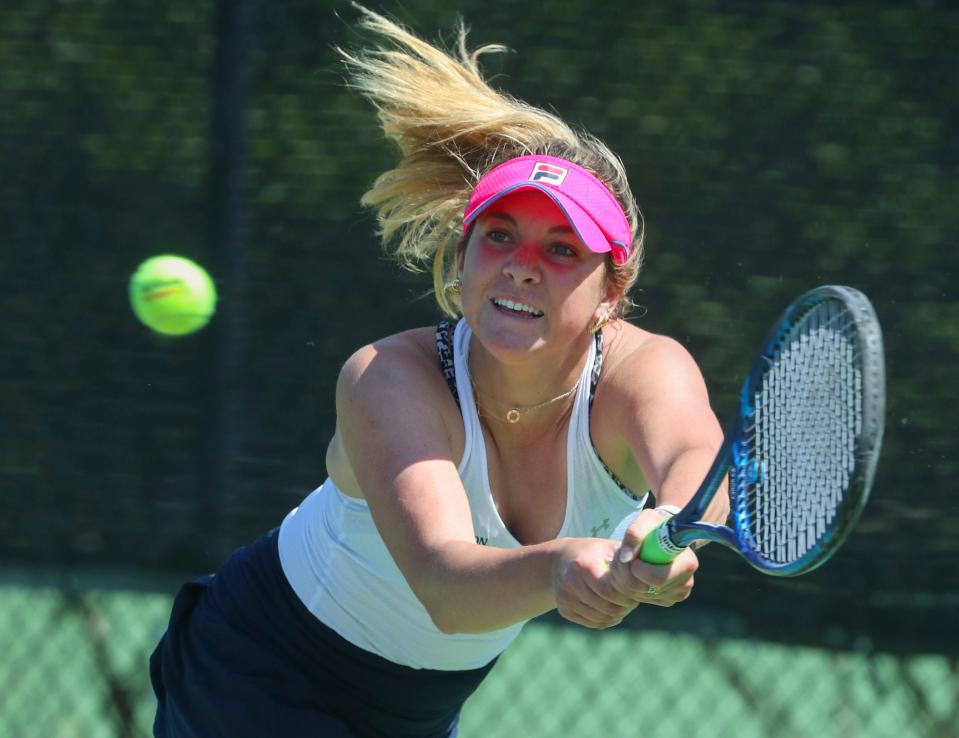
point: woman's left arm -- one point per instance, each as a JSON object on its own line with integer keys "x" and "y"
{"x": 673, "y": 434}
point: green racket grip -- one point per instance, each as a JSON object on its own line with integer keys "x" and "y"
{"x": 657, "y": 548}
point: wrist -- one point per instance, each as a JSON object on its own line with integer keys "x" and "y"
{"x": 667, "y": 511}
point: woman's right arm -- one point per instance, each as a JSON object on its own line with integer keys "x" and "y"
{"x": 394, "y": 414}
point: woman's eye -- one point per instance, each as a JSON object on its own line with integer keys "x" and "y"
{"x": 498, "y": 236}
{"x": 563, "y": 250}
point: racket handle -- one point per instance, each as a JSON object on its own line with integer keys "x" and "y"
{"x": 657, "y": 548}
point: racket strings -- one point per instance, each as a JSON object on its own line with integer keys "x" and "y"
{"x": 803, "y": 435}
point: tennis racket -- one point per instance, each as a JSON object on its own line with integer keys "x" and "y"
{"x": 801, "y": 449}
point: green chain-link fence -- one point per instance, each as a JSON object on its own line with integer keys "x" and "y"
{"x": 74, "y": 666}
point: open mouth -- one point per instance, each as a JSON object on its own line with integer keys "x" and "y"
{"x": 519, "y": 309}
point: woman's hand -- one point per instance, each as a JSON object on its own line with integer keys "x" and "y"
{"x": 584, "y": 592}
{"x": 662, "y": 585}
{"x": 595, "y": 588}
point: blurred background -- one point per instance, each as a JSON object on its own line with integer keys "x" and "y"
{"x": 773, "y": 147}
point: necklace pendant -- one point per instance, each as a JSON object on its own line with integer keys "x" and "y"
{"x": 513, "y": 416}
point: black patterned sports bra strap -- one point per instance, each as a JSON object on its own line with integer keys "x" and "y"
{"x": 597, "y": 368}
{"x": 444, "y": 349}
{"x": 593, "y": 382}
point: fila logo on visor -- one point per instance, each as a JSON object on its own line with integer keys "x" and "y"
{"x": 548, "y": 173}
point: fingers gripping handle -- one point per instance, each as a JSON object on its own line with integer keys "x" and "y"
{"x": 658, "y": 548}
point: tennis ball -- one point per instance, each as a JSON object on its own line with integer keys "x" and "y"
{"x": 172, "y": 295}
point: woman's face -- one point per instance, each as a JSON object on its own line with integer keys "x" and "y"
{"x": 528, "y": 281}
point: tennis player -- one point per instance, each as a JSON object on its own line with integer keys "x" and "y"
{"x": 482, "y": 472}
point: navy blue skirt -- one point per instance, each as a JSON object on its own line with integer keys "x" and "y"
{"x": 242, "y": 656}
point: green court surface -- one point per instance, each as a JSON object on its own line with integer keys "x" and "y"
{"x": 75, "y": 667}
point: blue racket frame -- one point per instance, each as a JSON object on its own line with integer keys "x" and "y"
{"x": 735, "y": 461}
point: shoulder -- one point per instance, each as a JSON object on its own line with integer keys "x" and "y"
{"x": 403, "y": 365}
{"x": 393, "y": 411}
{"x": 653, "y": 403}
{"x": 649, "y": 391}
{"x": 638, "y": 361}
{"x": 399, "y": 374}
{"x": 648, "y": 380}
{"x": 398, "y": 355}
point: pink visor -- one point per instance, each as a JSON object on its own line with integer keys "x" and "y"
{"x": 588, "y": 205}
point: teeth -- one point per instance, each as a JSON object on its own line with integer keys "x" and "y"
{"x": 518, "y": 306}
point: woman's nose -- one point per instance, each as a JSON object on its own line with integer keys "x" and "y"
{"x": 523, "y": 265}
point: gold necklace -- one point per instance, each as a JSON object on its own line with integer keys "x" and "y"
{"x": 515, "y": 413}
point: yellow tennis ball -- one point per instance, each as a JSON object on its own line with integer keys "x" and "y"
{"x": 172, "y": 295}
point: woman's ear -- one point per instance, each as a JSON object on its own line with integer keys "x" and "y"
{"x": 610, "y": 299}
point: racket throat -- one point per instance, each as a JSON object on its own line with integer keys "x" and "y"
{"x": 685, "y": 535}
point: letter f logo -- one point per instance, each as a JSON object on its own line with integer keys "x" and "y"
{"x": 548, "y": 173}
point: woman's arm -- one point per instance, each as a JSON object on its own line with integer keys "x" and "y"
{"x": 674, "y": 432}
{"x": 674, "y": 436}
{"x": 395, "y": 415}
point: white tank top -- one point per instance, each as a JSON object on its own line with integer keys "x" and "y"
{"x": 341, "y": 570}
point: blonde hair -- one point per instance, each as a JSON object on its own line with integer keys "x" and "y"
{"x": 451, "y": 128}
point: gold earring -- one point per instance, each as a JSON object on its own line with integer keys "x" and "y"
{"x": 453, "y": 287}
{"x": 599, "y": 325}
